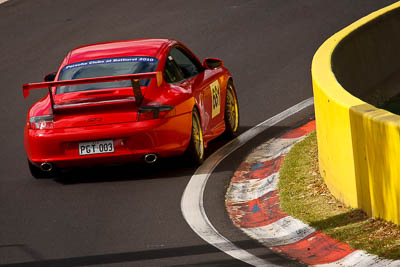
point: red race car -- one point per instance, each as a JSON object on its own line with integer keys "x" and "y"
{"x": 126, "y": 101}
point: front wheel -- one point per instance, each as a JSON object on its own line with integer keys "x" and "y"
{"x": 231, "y": 115}
{"x": 195, "y": 149}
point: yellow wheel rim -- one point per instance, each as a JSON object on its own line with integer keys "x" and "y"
{"x": 232, "y": 111}
{"x": 198, "y": 136}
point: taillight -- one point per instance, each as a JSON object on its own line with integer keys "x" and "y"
{"x": 155, "y": 112}
{"x": 41, "y": 122}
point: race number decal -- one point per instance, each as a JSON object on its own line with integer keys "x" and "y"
{"x": 215, "y": 98}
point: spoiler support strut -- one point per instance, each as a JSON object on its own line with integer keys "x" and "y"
{"x": 51, "y": 99}
{"x": 137, "y": 92}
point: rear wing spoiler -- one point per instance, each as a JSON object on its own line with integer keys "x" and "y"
{"x": 133, "y": 77}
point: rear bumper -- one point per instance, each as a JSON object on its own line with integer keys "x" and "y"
{"x": 132, "y": 140}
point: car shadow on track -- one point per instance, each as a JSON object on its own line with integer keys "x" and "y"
{"x": 134, "y": 171}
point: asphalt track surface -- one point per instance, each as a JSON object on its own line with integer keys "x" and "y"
{"x": 131, "y": 215}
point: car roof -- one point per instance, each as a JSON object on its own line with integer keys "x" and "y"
{"x": 139, "y": 47}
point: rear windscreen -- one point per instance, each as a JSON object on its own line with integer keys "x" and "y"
{"x": 105, "y": 67}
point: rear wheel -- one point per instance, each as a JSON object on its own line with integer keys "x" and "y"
{"x": 231, "y": 115}
{"x": 37, "y": 173}
{"x": 195, "y": 149}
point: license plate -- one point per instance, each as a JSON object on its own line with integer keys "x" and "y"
{"x": 96, "y": 147}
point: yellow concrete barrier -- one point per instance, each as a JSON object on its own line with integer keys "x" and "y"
{"x": 359, "y": 144}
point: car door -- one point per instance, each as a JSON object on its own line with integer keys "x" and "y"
{"x": 204, "y": 85}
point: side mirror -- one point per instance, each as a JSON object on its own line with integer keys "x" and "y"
{"x": 212, "y": 63}
{"x": 50, "y": 77}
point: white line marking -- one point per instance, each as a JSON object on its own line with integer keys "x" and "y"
{"x": 287, "y": 230}
{"x": 247, "y": 190}
{"x": 252, "y": 189}
{"x": 361, "y": 258}
{"x": 3, "y": 1}
{"x": 274, "y": 148}
{"x": 192, "y": 204}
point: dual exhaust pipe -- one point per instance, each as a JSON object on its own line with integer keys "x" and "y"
{"x": 46, "y": 167}
{"x": 148, "y": 158}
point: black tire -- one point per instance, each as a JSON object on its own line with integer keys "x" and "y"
{"x": 231, "y": 115}
{"x": 37, "y": 173}
{"x": 195, "y": 150}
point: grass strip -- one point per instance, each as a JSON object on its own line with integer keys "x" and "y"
{"x": 304, "y": 195}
